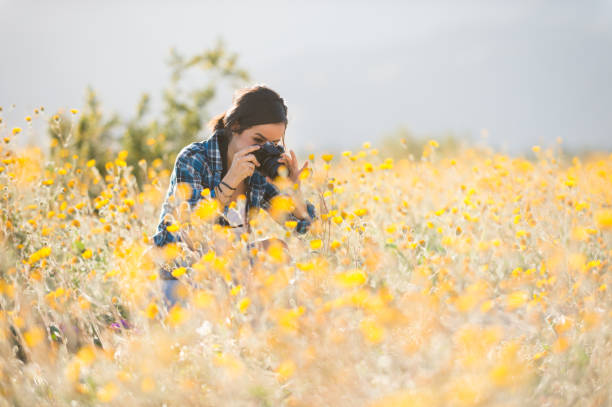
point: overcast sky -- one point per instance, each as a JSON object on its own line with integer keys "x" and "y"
{"x": 527, "y": 71}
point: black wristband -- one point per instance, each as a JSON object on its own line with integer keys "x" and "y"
{"x": 220, "y": 190}
{"x": 233, "y": 189}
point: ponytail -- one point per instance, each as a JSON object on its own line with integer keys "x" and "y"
{"x": 217, "y": 122}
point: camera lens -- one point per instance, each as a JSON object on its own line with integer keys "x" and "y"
{"x": 268, "y": 155}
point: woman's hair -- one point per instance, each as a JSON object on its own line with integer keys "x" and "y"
{"x": 251, "y": 106}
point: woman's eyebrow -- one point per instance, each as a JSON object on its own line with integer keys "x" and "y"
{"x": 260, "y": 135}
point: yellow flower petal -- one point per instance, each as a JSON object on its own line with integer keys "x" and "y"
{"x": 316, "y": 244}
{"x": 179, "y": 272}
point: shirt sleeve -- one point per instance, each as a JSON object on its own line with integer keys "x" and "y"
{"x": 190, "y": 175}
{"x": 303, "y": 225}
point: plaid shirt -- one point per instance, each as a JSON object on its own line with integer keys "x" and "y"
{"x": 199, "y": 164}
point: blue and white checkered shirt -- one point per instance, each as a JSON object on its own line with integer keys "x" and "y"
{"x": 199, "y": 164}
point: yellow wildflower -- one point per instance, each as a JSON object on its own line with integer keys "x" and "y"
{"x": 352, "y": 278}
{"x": 372, "y": 330}
{"x": 516, "y": 299}
{"x": 172, "y": 228}
{"x": 177, "y": 315}
{"x": 327, "y": 157}
{"x": 285, "y": 370}
{"x": 179, "y": 272}
{"x": 603, "y": 219}
{"x": 152, "y": 310}
{"x": 316, "y": 244}
{"x": 108, "y": 392}
{"x": 243, "y": 304}
{"x": 34, "y": 336}
{"x": 86, "y": 355}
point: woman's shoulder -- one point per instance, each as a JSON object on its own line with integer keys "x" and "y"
{"x": 196, "y": 152}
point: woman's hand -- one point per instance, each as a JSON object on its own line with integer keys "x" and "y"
{"x": 243, "y": 165}
{"x": 290, "y": 161}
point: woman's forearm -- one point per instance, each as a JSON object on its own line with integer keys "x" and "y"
{"x": 222, "y": 193}
{"x": 220, "y": 196}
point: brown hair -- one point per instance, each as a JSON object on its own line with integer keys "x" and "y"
{"x": 250, "y": 106}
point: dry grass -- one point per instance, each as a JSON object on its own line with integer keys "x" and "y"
{"x": 476, "y": 279}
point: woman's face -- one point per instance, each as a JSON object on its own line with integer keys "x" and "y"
{"x": 259, "y": 134}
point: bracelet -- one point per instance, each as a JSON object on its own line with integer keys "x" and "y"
{"x": 222, "y": 193}
{"x": 233, "y": 189}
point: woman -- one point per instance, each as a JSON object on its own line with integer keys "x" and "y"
{"x": 225, "y": 164}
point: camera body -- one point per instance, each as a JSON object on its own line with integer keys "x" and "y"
{"x": 267, "y": 155}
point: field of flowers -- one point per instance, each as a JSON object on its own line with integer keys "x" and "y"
{"x": 471, "y": 279}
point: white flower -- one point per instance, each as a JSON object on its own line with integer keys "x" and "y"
{"x": 204, "y": 329}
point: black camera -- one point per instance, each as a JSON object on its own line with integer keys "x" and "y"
{"x": 267, "y": 155}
